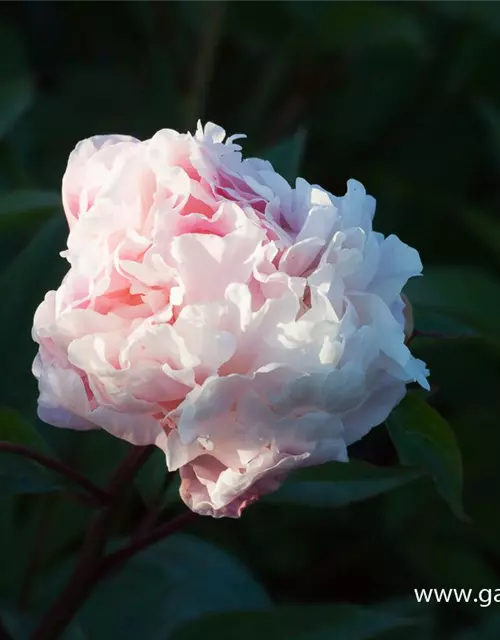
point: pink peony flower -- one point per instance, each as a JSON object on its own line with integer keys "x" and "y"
{"x": 243, "y": 326}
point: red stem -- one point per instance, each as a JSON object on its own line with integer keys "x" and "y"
{"x": 118, "y": 558}
{"x": 88, "y": 569}
{"x": 59, "y": 467}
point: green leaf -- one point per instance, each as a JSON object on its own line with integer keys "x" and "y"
{"x": 15, "y": 99}
{"x": 35, "y": 270}
{"x": 388, "y": 83}
{"x": 445, "y": 562}
{"x": 286, "y": 157}
{"x": 17, "y": 473}
{"x": 425, "y": 440}
{"x": 483, "y": 14}
{"x": 13, "y": 61}
{"x": 488, "y": 628}
{"x": 151, "y": 478}
{"x": 337, "y": 484}
{"x": 73, "y": 105}
{"x": 170, "y": 583}
{"x": 156, "y": 485}
{"x": 21, "y": 624}
{"x": 172, "y": 493}
{"x": 94, "y": 453}
{"x": 337, "y": 25}
{"x": 437, "y": 325}
{"x": 25, "y": 206}
{"x": 469, "y": 295}
{"x": 8, "y": 538}
{"x": 490, "y": 116}
{"x": 483, "y": 225}
{"x": 318, "y": 622}
{"x": 13, "y": 428}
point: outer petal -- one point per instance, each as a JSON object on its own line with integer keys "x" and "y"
{"x": 87, "y": 166}
{"x": 63, "y": 401}
{"x": 210, "y": 489}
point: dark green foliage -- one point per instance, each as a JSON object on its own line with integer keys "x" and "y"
{"x": 404, "y": 97}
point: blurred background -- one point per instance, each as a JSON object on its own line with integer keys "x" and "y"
{"x": 403, "y": 96}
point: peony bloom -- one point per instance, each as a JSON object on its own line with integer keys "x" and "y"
{"x": 243, "y": 326}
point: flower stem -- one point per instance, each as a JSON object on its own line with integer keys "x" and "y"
{"x": 37, "y": 548}
{"x": 88, "y": 571}
{"x": 103, "y": 497}
{"x": 141, "y": 542}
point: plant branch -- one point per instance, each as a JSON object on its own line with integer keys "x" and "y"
{"x": 59, "y": 467}
{"x": 141, "y": 542}
{"x": 88, "y": 569}
{"x": 155, "y": 510}
{"x": 128, "y": 469}
{"x": 37, "y": 547}
{"x": 149, "y": 521}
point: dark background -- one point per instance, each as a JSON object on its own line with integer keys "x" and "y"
{"x": 403, "y": 96}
